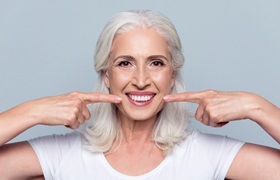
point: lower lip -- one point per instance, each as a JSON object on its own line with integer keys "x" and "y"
{"x": 140, "y": 104}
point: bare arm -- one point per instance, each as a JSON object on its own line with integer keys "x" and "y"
{"x": 69, "y": 110}
{"x": 19, "y": 161}
{"x": 216, "y": 108}
{"x": 255, "y": 162}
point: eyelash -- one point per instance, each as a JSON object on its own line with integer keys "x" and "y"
{"x": 158, "y": 63}
{"x": 124, "y": 63}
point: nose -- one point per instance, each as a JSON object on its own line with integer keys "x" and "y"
{"x": 141, "y": 78}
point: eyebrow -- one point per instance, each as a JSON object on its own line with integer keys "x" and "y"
{"x": 158, "y": 57}
{"x": 128, "y": 57}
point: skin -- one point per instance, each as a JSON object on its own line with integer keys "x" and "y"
{"x": 139, "y": 71}
{"x": 216, "y": 108}
{"x": 68, "y": 109}
{"x": 139, "y": 64}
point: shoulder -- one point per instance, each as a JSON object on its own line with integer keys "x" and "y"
{"x": 59, "y": 144}
{"x": 210, "y": 145}
{"x": 68, "y": 138}
{"x": 54, "y": 149}
{"x": 208, "y": 153}
{"x": 196, "y": 138}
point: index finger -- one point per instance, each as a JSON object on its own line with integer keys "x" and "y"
{"x": 93, "y": 97}
{"x": 193, "y": 97}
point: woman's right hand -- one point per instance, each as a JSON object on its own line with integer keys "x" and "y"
{"x": 69, "y": 110}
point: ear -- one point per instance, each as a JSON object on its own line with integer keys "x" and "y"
{"x": 173, "y": 79}
{"x": 106, "y": 78}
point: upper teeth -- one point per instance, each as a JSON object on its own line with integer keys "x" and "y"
{"x": 140, "y": 98}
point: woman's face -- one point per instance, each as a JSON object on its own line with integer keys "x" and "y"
{"x": 140, "y": 72}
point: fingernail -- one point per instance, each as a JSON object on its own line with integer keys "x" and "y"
{"x": 118, "y": 99}
{"x": 166, "y": 98}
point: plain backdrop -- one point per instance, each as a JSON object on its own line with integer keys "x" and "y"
{"x": 47, "y": 46}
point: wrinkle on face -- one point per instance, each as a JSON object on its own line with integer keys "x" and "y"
{"x": 139, "y": 61}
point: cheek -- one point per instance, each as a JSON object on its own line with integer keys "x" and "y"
{"x": 118, "y": 81}
{"x": 163, "y": 81}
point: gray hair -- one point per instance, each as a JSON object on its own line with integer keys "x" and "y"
{"x": 171, "y": 125}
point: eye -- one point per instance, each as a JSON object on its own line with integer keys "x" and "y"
{"x": 157, "y": 63}
{"x": 124, "y": 63}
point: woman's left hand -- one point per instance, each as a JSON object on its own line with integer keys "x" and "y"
{"x": 217, "y": 108}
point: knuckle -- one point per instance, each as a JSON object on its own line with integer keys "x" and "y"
{"x": 198, "y": 117}
{"x": 209, "y": 109}
{"x": 210, "y": 91}
{"x": 75, "y": 110}
{"x": 98, "y": 96}
{"x": 88, "y": 116}
{"x": 205, "y": 122}
{"x": 71, "y": 119}
{"x": 74, "y": 94}
{"x": 205, "y": 102}
{"x": 215, "y": 117}
{"x": 76, "y": 126}
{"x": 82, "y": 122}
{"x": 213, "y": 124}
{"x": 77, "y": 102}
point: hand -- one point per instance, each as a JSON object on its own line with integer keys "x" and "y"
{"x": 216, "y": 108}
{"x": 68, "y": 109}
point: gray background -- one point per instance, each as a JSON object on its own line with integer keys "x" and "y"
{"x": 46, "y": 48}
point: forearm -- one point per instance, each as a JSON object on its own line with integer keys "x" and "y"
{"x": 268, "y": 117}
{"x": 68, "y": 109}
{"x": 12, "y": 123}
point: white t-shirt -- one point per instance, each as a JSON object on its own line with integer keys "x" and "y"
{"x": 199, "y": 156}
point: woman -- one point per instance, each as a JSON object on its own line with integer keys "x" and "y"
{"x": 138, "y": 127}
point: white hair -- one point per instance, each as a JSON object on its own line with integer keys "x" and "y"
{"x": 171, "y": 125}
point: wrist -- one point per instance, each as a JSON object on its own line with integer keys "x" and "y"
{"x": 262, "y": 110}
{"x": 255, "y": 109}
{"x": 23, "y": 115}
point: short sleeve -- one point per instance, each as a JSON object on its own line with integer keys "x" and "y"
{"x": 51, "y": 150}
{"x": 220, "y": 152}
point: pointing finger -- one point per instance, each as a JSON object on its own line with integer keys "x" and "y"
{"x": 100, "y": 97}
{"x": 93, "y": 97}
{"x": 194, "y": 97}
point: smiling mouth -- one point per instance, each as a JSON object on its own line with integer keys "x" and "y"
{"x": 140, "y": 98}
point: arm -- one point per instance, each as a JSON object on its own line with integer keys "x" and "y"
{"x": 217, "y": 108}
{"x": 267, "y": 116}
{"x": 255, "y": 162}
{"x": 19, "y": 161}
{"x": 69, "y": 110}
{"x": 57, "y": 110}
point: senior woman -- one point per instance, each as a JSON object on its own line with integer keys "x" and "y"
{"x": 138, "y": 127}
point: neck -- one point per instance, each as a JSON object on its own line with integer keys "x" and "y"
{"x": 137, "y": 131}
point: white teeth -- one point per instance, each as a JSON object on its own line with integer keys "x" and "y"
{"x": 140, "y": 98}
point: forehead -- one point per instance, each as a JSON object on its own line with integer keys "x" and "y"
{"x": 140, "y": 41}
